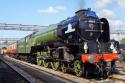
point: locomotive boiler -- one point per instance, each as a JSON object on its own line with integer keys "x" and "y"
{"x": 80, "y": 43}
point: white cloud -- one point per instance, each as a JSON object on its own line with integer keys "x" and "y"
{"x": 112, "y": 18}
{"x": 102, "y": 3}
{"x": 107, "y": 13}
{"x": 121, "y": 3}
{"x": 52, "y": 9}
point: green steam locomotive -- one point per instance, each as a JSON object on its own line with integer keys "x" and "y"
{"x": 80, "y": 43}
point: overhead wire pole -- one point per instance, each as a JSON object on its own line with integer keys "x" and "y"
{"x": 9, "y": 39}
{"x": 20, "y": 27}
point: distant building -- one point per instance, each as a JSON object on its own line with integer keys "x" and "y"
{"x": 117, "y": 34}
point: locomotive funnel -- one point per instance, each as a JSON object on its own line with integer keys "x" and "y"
{"x": 81, "y": 12}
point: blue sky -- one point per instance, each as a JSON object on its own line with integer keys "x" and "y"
{"x": 45, "y": 12}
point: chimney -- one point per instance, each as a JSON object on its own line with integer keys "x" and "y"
{"x": 81, "y": 12}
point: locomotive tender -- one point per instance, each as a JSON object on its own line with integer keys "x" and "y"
{"x": 80, "y": 43}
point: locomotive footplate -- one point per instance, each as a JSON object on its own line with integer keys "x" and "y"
{"x": 50, "y": 59}
{"x": 47, "y": 58}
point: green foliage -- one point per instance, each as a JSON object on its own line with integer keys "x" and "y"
{"x": 122, "y": 41}
{"x": 4, "y": 48}
{"x": 21, "y": 47}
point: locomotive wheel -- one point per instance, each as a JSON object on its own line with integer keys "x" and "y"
{"x": 86, "y": 72}
{"x": 45, "y": 63}
{"x": 39, "y": 62}
{"x": 107, "y": 73}
{"x": 55, "y": 65}
{"x": 63, "y": 68}
{"x": 78, "y": 68}
{"x": 103, "y": 71}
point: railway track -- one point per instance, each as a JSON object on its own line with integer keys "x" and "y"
{"x": 120, "y": 75}
{"x": 117, "y": 80}
{"x": 44, "y": 74}
{"x": 38, "y": 74}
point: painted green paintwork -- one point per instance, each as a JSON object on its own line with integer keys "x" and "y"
{"x": 21, "y": 46}
{"x": 47, "y": 34}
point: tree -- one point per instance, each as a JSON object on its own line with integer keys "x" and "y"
{"x": 4, "y": 48}
{"x": 122, "y": 41}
